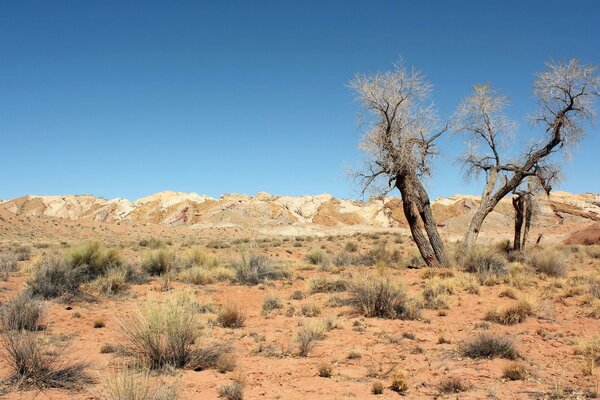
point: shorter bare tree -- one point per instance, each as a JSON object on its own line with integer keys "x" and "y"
{"x": 566, "y": 93}
{"x": 399, "y": 146}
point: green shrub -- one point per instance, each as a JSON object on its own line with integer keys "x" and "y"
{"x": 159, "y": 262}
{"x": 93, "y": 259}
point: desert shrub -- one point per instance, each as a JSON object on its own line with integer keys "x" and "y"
{"x": 315, "y": 257}
{"x": 126, "y": 384}
{"x": 54, "y": 278}
{"x": 342, "y": 259}
{"x": 271, "y": 303}
{"x": 298, "y": 295}
{"x": 23, "y": 253}
{"x": 33, "y": 365}
{"x": 513, "y": 314}
{"x": 326, "y": 285}
{"x": 22, "y": 313}
{"x": 8, "y": 264}
{"x": 307, "y": 335}
{"x": 452, "y": 384}
{"x": 108, "y": 348}
{"x": 487, "y": 345}
{"x": 159, "y": 262}
{"x": 590, "y": 349}
{"x": 485, "y": 262}
{"x": 514, "y": 372}
{"x": 153, "y": 243}
{"x": 379, "y": 297}
{"x": 232, "y": 391}
{"x": 253, "y": 269}
{"x": 351, "y": 247}
{"x": 399, "y": 381}
{"x": 114, "y": 281}
{"x": 377, "y": 388}
{"x": 218, "y": 244}
{"x": 325, "y": 370}
{"x": 93, "y": 259}
{"x": 310, "y": 310}
{"x": 436, "y": 292}
{"x": 209, "y": 357}
{"x": 197, "y": 257}
{"x": 161, "y": 334}
{"x": 547, "y": 262}
{"x": 594, "y": 287}
{"x": 231, "y": 315}
{"x": 198, "y": 275}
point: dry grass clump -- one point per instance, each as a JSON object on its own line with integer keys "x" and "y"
{"x": 452, "y": 384}
{"x": 351, "y": 247}
{"x": 232, "y": 391}
{"x": 215, "y": 355}
{"x": 437, "y": 291}
{"x": 486, "y": 262}
{"x": 379, "y": 297}
{"x": 254, "y": 269}
{"x": 513, "y": 314}
{"x": 590, "y": 349}
{"x": 23, "y": 253}
{"x": 270, "y": 303}
{"x": 325, "y": 370}
{"x": 8, "y": 264}
{"x": 54, "y": 277}
{"x": 377, "y": 388}
{"x": 231, "y": 315}
{"x": 126, "y": 384}
{"x": 514, "y": 372}
{"x": 22, "y": 313}
{"x": 33, "y": 365}
{"x": 399, "y": 381}
{"x": 153, "y": 243}
{"x": 327, "y": 285}
{"x": 316, "y": 257}
{"x": 114, "y": 281}
{"x": 159, "y": 262}
{"x": 548, "y": 262}
{"x": 307, "y": 335}
{"x": 161, "y": 334}
{"x": 487, "y": 345}
{"x": 201, "y": 275}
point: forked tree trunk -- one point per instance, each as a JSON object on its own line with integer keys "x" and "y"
{"x": 416, "y": 205}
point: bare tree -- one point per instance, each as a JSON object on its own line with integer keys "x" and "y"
{"x": 566, "y": 93}
{"x": 399, "y": 146}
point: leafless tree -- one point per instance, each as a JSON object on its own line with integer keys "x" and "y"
{"x": 399, "y": 144}
{"x": 566, "y": 93}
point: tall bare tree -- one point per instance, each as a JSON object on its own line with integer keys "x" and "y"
{"x": 399, "y": 146}
{"x": 566, "y": 93}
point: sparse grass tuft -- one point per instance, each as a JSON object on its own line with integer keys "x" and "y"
{"x": 54, "y": 278}
{"x": 399, "y": 381}
{"x": 270, "y": 303}
{"x": 379, "y": 297}
{"x": 307, "y": 335}
{"x": 513, "y": 314}
{"x": 514, "y": 372}
{"x": 452, "y": 384}
{"x": 548, "y": 262}
{"x": 232, "y": 391}
{"x": 316, "y": 257}
{"x": 325, "y": 370}
{"x": 126, "y": 384}
{"x": 377, "y": 388}
{"x": 22, "y": 313}
{"x": 254, "y": 269}
{"x": 486, "y": 345}
{"x": 326, "y": 285}
{"x": 159, "y": 262}
{"x": 231, "y": 315}
{"x": 486, "y": 262}
{"x": 33, "y": 365}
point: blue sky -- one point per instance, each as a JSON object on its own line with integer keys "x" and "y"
{"x": 124, "y": 99}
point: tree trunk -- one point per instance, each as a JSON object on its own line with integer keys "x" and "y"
{"x": 413, "y": 204}
{"x": 430, "y": 226}
{"x": 518, "y": 203}
{"x": 528, "y": 213}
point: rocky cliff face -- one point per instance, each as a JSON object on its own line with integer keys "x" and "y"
{"x": 263, "y": 210}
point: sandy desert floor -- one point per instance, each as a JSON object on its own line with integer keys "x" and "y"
{"x": 425, "y": 353}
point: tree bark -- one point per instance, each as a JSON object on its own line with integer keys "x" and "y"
{"x": 415, "y": 206}
{"x": 528, "y": 206}
{"x": 518, "y": 204}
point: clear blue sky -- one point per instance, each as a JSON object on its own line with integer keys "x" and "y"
{"x": 124, "y": 99}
